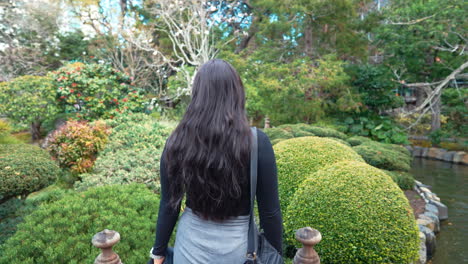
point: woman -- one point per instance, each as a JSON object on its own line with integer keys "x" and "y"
{"x": 207, "y": 160}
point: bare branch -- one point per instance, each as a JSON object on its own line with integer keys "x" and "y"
{"x": 412, "y": 22}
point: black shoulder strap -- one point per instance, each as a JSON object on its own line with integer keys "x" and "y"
{"x": 252, "y": 244}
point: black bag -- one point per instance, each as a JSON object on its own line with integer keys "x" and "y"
{"x": 259, "y": 250}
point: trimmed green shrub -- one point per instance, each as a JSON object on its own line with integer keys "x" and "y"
{"x": 298, "y": 130}
{"x": 76, "y": 144}
{"x": 273, "y": 142}
{"x": 298, "y": 157}
{"x": 357, "y": 140}
{"x": 25, "y": 169}
{"x": 385, "y": 156}
{"x": 404, "y": 179}
{"x": 13, "y": 211}
{"x": 341, "y": 141}
{"x": 277, "y": 133}
{"x": 361, "y": 213}
{"x": 325, "y": 132}
{"x": 61, "y": 232}
{"x": 131, "y": 155}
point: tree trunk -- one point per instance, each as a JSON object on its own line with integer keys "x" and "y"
{"x": 435, "y": 118}
{"x": 253, "y": 29}
{"x": 36, "y": 130}
{"x": 308, "y": 39}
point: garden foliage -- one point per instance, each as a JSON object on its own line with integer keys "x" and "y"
{"x": 76, "y": 144}
{"x": 96, "y": 91}
{"x": 132, "y": 153}
{"x": 385, "y": 156}
{"x": 61, "y": 231}
{"x": 30, "y": 100}
{"x": 25, "y": 169}
{"x": 298, "y": 157}
{"x": 362, "y": 214}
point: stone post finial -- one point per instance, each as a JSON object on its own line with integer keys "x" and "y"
{"x": 105, "y": 240}
{"x": 309, "y": 237}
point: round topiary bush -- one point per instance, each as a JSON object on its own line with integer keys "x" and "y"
{"x": 277, "y": 133}
{"x": 357, "y": 140}
{"x": 385, "y": 156}
{"x": 362, "y": 214}
{"x": 298, "y": 157}
{"x": 61, "y": 231}
{"x": 325, "y": 132}
{"x": 25, "y": 169}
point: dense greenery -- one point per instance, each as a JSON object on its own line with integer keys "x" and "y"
{"x": 96, "y": 91}
{"x": 132, "y": 153}
{"x": 385, "y": 156}
{"x": 357, "y": 226}
{"x": 76, "y": 144}
{"x": 30, "y": 100}
{"x": 25, "y": 169}
{"x": 298, "y": 157}
{"x": 13, "y": 211}
{"x": 60, "y": 232}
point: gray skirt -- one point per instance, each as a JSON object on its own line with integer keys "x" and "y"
{"x": 201, "y": 241}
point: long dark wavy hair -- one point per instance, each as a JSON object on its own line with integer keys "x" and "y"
{"x": 207, "y": 155}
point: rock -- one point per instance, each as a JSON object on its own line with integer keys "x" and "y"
{"x": 465, "y": 159}
{"x": 443, "y": 210}
{"x": 433, "y": 153}
{"x": 425, "y": 189}
{"x": 427, "y": 222}
{"x": 420, "y": 184}
{"x": 430, "y": 241}
{"x": 417, "y": 182}
{"x": 458, "y": 157}
{"x": 436, "y": 198}
{"x": 424, "y": 152}
{"x": 432, "y": 209}
{"x": 409, "y": 148}
{"x": 448, "y": 156}
{"x": 422, "y": 249}
{"x": 441, "y": 153}
{"x": 435, "y": 219}
{"x": 417, "y": 152}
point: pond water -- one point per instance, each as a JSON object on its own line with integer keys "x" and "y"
{"x": 450, "y": 183}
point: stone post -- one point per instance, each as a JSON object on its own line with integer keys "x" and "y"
{"x": 105, "y": 240}
{"x": 267, "y": 122}
{"x": 309, "y": 237}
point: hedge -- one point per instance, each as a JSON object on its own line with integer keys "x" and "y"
{"x": 298, "y": 157}
{"x": 278, "y": 133}
{"x": 357, "y": 140}
{"x": 13, "y": 211}
{"x": 25, "y": 169}
{"x": 361, "y": 213}
{"x": 385, "y": 156}
{"x": 404, "y": 179}
{"x": 61, "y": 231}
{"x": 131, "y": 155}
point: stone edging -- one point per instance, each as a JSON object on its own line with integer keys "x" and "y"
{"x": 459, "y": 157}
{"x": 429, "y": 221}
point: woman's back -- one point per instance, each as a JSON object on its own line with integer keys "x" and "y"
{"x": 207, "y": 160}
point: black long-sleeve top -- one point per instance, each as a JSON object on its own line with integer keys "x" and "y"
{"x": 267, "y": 200}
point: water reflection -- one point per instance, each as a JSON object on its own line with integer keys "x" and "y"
{"x": 450, "y": 183}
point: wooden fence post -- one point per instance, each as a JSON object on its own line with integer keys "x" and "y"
{"x": 105, "y": 240}
{"x": 309, "y": 237}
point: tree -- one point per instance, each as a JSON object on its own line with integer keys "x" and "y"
{"x": 94, "y": 91}
{"x": 28, "y": 38}
{"x": 424, "y": 44}
{"x": 30, "y": 100}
